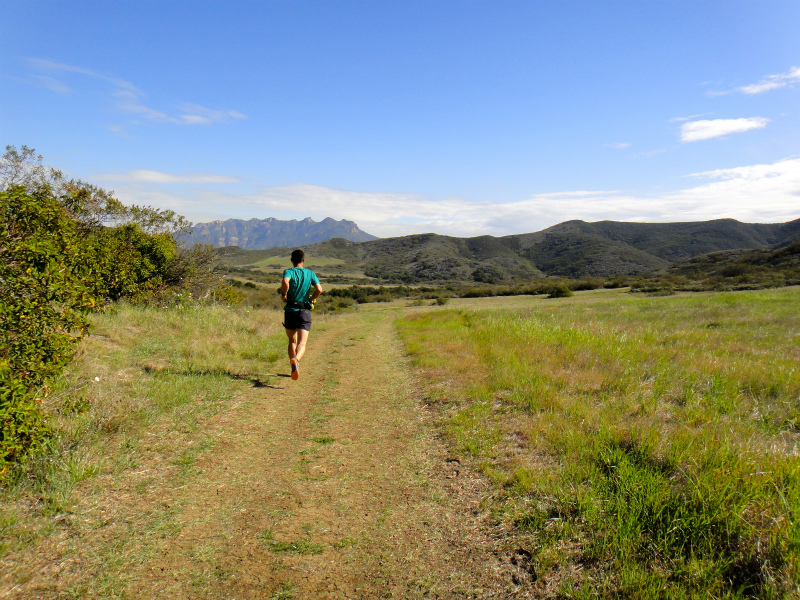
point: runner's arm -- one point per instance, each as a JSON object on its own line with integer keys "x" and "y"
{"x": 317, "y": 292}
{"x": 284, "y": 288}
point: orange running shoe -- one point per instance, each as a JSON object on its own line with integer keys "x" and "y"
{"x": 295, "y": 368}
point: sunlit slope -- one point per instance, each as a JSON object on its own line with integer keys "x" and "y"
{"x": 577, "y": 248}
{"x": 570, "y": 249}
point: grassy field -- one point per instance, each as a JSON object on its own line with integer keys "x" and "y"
{"x": 628, "y": 446}
{"x": 644, "y": 447}
{"x": 138, "y": 393}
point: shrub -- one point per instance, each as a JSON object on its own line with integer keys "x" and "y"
{"x": 333, "y": 304}
{"x": 478, "y": 293}
{"x": 132, "y": 261}
{"x": 226, "y": 294}
{"x": 586, "y": 283}
{"x": 65, "y": 246}
{"x": 559, "y": 290}
{"x": 616, "y": 282}
{"x": 48, "y": 282}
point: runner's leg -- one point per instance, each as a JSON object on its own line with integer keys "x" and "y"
{"x": 292, "y": 347}
{"x": 294, "y": 361}
{"x": 300, "y": 345}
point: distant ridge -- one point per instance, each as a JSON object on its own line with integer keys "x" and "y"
{"x": 578, "y": 248}
{"x": 260, "y": 234}
{"x": 570, "y": 249}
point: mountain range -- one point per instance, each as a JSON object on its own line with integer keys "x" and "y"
{"x": 257, "y": 234}
{"x": 570, "y": 249}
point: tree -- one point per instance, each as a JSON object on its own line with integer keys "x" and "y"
{"x": 47, "y": 286}
{"x": 66, "y": 246}
{"x": 91, "y": 206}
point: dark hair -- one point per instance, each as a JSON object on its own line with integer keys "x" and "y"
{"x": 298, "y": 256}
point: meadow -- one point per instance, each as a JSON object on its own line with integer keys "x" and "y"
{"x": 134, "y": 399}
{"x": 644, "y": 447}
{"x": 629, "y": 446}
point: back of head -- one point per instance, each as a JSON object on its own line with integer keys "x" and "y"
{"x": 298, "y": 256}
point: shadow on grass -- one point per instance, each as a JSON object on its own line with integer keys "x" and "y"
{"x": 256, "y": 381}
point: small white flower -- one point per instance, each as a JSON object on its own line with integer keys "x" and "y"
{"x": 97, "y": 379}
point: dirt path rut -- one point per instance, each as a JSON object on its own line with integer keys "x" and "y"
{"x": 333, "y": 486}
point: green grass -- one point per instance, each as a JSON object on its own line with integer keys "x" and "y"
{"x": 285, "y": 592}
{"x": 659, "y": 434}
{"x": 345, "y": 542}
{"x": 144, "y": 375}
{"x": 323, "y": 440}
{"x": 303, "y": 546}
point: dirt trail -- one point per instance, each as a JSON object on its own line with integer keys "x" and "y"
{"x": 333, "y": 486}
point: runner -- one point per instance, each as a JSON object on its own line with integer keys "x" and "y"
{"x": 296, "y": 293}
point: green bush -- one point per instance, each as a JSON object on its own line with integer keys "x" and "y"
{"x": 65, "y": 247}
{"x": 559, "y": 290}
{"x": 585, "y": 283}
{"x": 48, "y": 282}
{"x": 332, "y": 304}
{"x": 133, "y": 262}
{"x": 226, "y": 295}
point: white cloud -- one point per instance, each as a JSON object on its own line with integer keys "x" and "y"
{"x": 131, "y": 100}
{"x": 41, "y": 64}
{"x": 120, "y": 130}
{"x": 150, "y": 176}
{"x": 772, "y": 82}
{"x": 683, "y": 119}
{"x": 767, "y": 193}
{"x": 620, "y": 145}
{"x": 763, "y": 86}
{"x": 651, "y": 153}
{"x": 705, "y": 130}
{"x": 49, "y": 83}
{"x": 194, "y": 114}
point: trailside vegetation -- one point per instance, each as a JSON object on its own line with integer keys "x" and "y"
{"x": 67, "y": 248}
{"x": 47, "y": 285}
{"x": 640, "y": 447}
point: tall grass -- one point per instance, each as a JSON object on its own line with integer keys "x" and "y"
{"x": 659, "y": 435}
{"x": 142, "y": 371}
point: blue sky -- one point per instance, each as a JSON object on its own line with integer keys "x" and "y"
{"x": 457, "y": 117}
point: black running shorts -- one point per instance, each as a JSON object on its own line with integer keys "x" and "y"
{"x": 297, "y": 319}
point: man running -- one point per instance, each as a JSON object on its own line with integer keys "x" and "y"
{"x": 296, "y": 293}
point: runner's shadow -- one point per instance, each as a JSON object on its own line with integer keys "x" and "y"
{"x": 256, "y": 381}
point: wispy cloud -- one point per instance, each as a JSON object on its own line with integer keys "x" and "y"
{"x": 50, "y": 65}
{"x": 754, "y": 193}
{"x": 619, "y": 145}
{"x": 772, "y": 82}
{"x": 684, "y": 119}
{"x": 150, "y": 176}
{"x": 199, "y": 115}
{"x": 129, "y": 99}
{"x": 695, "y": 131}
{"x": 652, "y": 153}
{"x": 49, "y": 83}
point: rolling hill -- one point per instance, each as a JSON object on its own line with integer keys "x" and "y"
{"x": 577, "y": 248}
{"x": 570, "y": 249}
